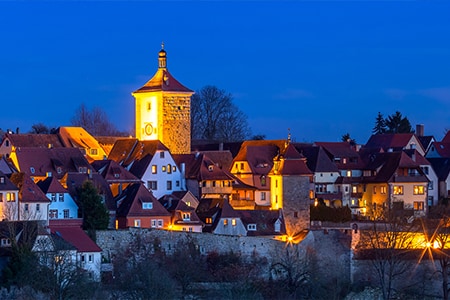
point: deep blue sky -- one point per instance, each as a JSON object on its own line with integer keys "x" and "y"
{"x": 320, "y": 68}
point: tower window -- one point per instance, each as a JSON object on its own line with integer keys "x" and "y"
{"x": 149, "y": 106}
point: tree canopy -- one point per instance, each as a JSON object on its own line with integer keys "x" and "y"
{"x": 395, "y": 123}
{"x": 94, "y": 212}
{"x": 215, "y": 117}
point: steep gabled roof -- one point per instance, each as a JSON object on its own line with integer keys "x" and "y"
{"x": 34, "y": 140}
{"x": 343, "y": 154}
{"x": 228, "y": 211}
{"x": 394, "y": 141}
{"x": 113, "y": 172}
{"x": 441, "y": 166}
{"x": 260, "y": 154}
{"x": 51, "y": 185}
{"x": 28, "y": 190}
{"x": 442, "y": 148}
{"x": 264, "y": 221}
{"x": 200, "y": 166}
{"x": 40, "y": 161}
{"x": 126, "y": 152}
{"x": 77, "y": 238}
{"x": 317, "y": 159}
{"x": 129, "y": 203}
{"x": 6, "y": 184}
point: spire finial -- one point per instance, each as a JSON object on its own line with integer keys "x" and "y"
{"x": 162, "y": 45}
{"x": 162, "y": 59}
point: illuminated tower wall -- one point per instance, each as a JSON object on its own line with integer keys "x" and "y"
{"x": 163, "y": 110}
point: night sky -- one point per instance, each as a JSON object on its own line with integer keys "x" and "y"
{"x": 320, "y": 68}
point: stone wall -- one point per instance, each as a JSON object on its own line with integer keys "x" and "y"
{"x": 296, "y": 203}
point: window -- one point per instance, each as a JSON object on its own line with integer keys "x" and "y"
{"x": 374, "y": 190}
{"x": 174, "y": 169}
{"x": 61, "y": 197}
{"x": 169, "y": 185}
{"x": 90, "y": 258}
{"x": 177, "y": 183}
{"x": 276, "y": 182}
{"x": 346, "y": 188}
{"x": 233, "y": 222}
{"x": 161, "y": 154}
{"x": 66, "y": 213}
{"x": 152, "y": 185}
{"x": 26, "y": 206}
{"x": 425, "y": 170}
{"x": 153, "y": 223}
{"x": 59, "y": 170}
{"x": 147, "y": 205}
{"x": 137, "y": 223}
{"x": 5, "y": 242}
{"x": 169, "y": 169}
{"x": 190, "y": 229}
{"x": 213, "y": 184}
{"x": 149, "y": 106}
{"x": 430, "y": 185}
{"x": 349, "y": 173}
{"x": 251, "y": 227}
{"x": 10, "y": 197}
{"x": 242, "y": 166}
{"x": 94, "y": 151}
{"x": 208, "y": 221}
{"x": 263, "y": 196}
{"x": 398, "y": 189}
{"x": 354, "y": 189}
{"x": 53, "y": 214}
{"x": 38, "y": 207}
{"x": 53, "y": 197}
{"x": 418, "y": 205}
{"x": 211, "y": 168}
{"x": 2, "y": 179}
{"x": 383, "y": 190}
{"x": 154, "y": 169}
{"x": 225, "y": 222}
{"x": 418, "y": 190}
{"x": 160, "y": 223}
{"x": 263, "y": 180}
{"x": 32, "y": 170}
{"x": 1, "y": 197}
{"x": 163, "y": 168}
{"x": 186, "y": 216}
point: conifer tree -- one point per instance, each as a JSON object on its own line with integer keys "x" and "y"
{"x": 94, "y": 212}
{"x": 396, "y": 123}
{"x": 380, "y": 125}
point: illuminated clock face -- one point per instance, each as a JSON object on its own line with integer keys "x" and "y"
{"x": 148, "y": 129}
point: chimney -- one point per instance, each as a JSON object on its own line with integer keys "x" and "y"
{"x": 420, "y": 130}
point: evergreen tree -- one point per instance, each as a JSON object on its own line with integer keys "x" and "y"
{"x": 380, "y": 125}
{"x": 94, "y": 212}
{"x": 396, "y": 123}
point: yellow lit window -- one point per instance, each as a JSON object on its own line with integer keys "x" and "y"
{"x": 208, "y": 220}
{"x": 233, "y": 222}
{"x": 225, "y": 221}
{"x": 419, "y": 190}
{"x": 10, "y": 197}
{"x": 383, "y": 189}
{"x": 418, "y": 205}
{"x": 398, "y": 189}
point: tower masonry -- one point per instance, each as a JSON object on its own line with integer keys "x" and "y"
{"x": 163, "y": 110}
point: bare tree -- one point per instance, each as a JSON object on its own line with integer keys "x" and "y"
{"x": 95, "y": 122}
{"x": 214, "y": 116}
{"x": 387, "y": 247}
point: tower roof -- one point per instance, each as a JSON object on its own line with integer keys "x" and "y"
{"x": 163, "y": 80}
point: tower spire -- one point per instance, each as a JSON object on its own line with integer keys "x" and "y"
{"x": 162, "y": 57}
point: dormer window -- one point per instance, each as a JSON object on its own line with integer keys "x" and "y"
{"x": 161, "y": 154}
{"x": 93, "y": 151}
{"x": 59, "y": 170}
{"x": 116, "y": 175}
{"x": 32, "y": 170}
{"x": 2, "y": 179}
{"x": 186, "y": 216}
{"x": 5, "y": 242}
{"x": 169, "y": 169}
{"x": 263, "y": 180}
{"x": 251, "y": 227}
{"x": 208, "y": 221}
{"x": 211, "y": 168}
{"x": 147, "y": 205}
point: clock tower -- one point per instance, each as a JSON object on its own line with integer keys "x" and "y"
{"x": 163, "y": 110}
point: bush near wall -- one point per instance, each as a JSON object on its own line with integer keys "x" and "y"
{"x": 331, "y": 214}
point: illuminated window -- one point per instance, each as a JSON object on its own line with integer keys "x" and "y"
{"x": 169, "y": 169}
{"x": 398, "y": 189}
{"x": 154, "y": 169}
{"x": 208, "y": 220}
{"x": 354, "y": 189}
{"x": 383, "y": 190}
{"x": 163, "y": 168}
{"x": 418, "y": 205}
{"x": 374, "y": 189}
{"x": 349, "y": 173}
{"x": 225, "y": 222}
{"x": 10, "y": 197}
{"x": 137, "y": 223}
{"x": 418, "y": 190}
{"x": 233, "y": 222}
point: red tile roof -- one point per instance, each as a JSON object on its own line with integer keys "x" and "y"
{"x": 163, "y": 81}
{"x": 77, "y": 238}
{"x": 51, "y": 185}
{"x": 28, "y": 190}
